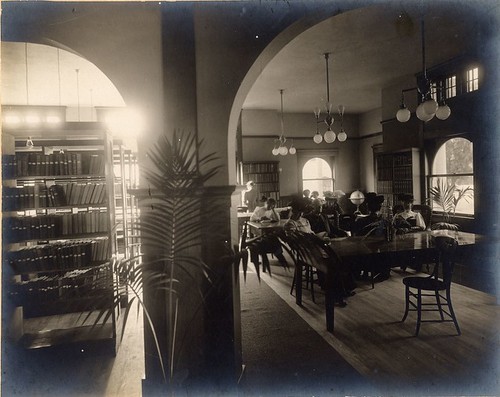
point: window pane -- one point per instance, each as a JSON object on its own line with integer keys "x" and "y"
{"x": 463, "y": 188}
{"x": 454, "y": 157}
{"x": 472, "y": 79}
{"x": 451, "y": 86}
{"x": 317, "y": 175}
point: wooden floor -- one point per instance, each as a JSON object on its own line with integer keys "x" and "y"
{"x": 369, "y": 335}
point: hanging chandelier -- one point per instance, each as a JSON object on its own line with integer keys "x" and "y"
{"x": 428, "y": 107}
{"x": 329, "y": 135}
{"x": 280, "y": 143}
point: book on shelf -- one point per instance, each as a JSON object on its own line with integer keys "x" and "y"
{"x": 59, "y": 256}
{"x": 55, "y": 164}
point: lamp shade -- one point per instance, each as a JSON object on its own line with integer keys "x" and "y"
{"x": 422, "y": 114}
{"x": 283, "y": 150}
{"x": 403, "y": 115}
{"x": 292, "y": 150}
{"x": 342, "y": 136}
{"x": 357, "y": 197}
{"x": 330, "y": 136}
{"x": 443, "y": 112}
{"x": 430, "y": 106}
{"x": 275, "y": 151}
{"x": 318, "y": 138}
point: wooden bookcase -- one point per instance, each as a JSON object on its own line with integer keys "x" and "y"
{"x": 398, "y": 172}
{"x": 59, "y": 237}
{"x": 266, "y": 176}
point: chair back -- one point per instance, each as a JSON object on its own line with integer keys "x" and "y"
{"x": 243, "y": 237}
{"x": 447, "y": 247}
{"x": 426, "y": 212}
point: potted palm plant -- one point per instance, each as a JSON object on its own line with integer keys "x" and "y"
{"x": 170, "y": 281}
{"x": 447, "y": 198}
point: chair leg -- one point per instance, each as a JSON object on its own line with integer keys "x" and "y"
{"x": 419, "y": 311}
{"x": 407, "y": 303}
{"x": 438, "y": 301}
{"x": 294, "y": 279}
{"x": 312, "y": 284}
{"x": 454, "y": 318}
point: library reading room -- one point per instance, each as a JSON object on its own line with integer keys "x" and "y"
{"x": 250, "y": 198}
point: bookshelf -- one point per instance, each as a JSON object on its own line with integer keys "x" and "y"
{"x": 265, "y": 175}
{"x": 398, "y": 172}
{"x": 59, "y": 237}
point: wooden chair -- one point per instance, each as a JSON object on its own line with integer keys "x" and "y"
{"x": 434, "y": 286}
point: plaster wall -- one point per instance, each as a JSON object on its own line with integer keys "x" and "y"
{"x": 256, "y": 123}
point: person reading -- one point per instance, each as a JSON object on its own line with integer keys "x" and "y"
{"x": 267, "y": 212}
{"x": 267, "y": 243}
{"x": 408, "y": 220}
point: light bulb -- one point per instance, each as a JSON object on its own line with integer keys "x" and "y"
{"x": 443, "y": 112}
{"x": 275, "y": 151}
{"x": 422, "y": 114}
{"x": 403, "y": 115}
{"x": 430, "y": 106}
{"x": 283, "y": 150}
{"x": 330, "y": 136}
{"x": 317, "y": 112}
{"x": 292, "y": 150}
{"x": 342, "y": 136}
{"x": 318, "y": 138}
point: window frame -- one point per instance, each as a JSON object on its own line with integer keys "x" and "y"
{"x": 303, "y": 156}
{"x": 431, "y": 176}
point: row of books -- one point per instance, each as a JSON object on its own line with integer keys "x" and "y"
{"x": 38, "y": 164}
{"x": 63, "y": 194}
{"x": 390, "y": 160}
{"x": 267, "y": 188}
{"x": 403, "y": 186}
{"x": 384, "y": 174}
{"x": 403, "y": 172}
{"x": 268, "y": 177}
{"x": 88, "y": 283}
{"x": 53, "y": 226}
{"x": 259, "y": 167}
{"x": 59, "y": 256}
{"x": 384, "y": 187}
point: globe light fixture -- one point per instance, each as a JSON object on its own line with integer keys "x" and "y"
{"x": 428, "y": 107}
{"x": 281, "y": 148}
{"x": 329, "y": 136}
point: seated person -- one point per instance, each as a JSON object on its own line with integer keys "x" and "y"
{"x": 408, "y": 220}
{"x": 371, "y": 223}
{"x": 374, "y": 225}
{"x": 267, "y": 212}
{"x": 264, "y": 244}
{"x": 320, "y": 223}
{"x": 298, "y": 223}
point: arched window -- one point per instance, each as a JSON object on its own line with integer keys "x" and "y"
{"x": 453, "y": 168}
{"x": 317, "y": 175}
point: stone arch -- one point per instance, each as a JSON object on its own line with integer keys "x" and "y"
{"x": 269, "y": 52}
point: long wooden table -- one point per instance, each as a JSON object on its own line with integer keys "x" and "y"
{"x": 373, "y": 249}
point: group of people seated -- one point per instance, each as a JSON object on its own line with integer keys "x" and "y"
{"x": 307, "y": 215}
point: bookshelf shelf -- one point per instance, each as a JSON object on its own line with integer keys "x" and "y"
{"x": 398, "y": 172}
{"x": 265, "y": 176}
{"x": 59, "y": 228}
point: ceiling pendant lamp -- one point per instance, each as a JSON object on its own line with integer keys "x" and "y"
{"x": 329, "y": 136}
{"x": 428, "y": 107}
{"x": 280, "y": 143}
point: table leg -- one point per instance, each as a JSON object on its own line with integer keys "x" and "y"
{"x": 329, "y": 308}
{"x": 298, "y": 283}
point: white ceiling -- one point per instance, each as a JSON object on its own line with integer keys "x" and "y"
{"x": 370, "y": 48}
